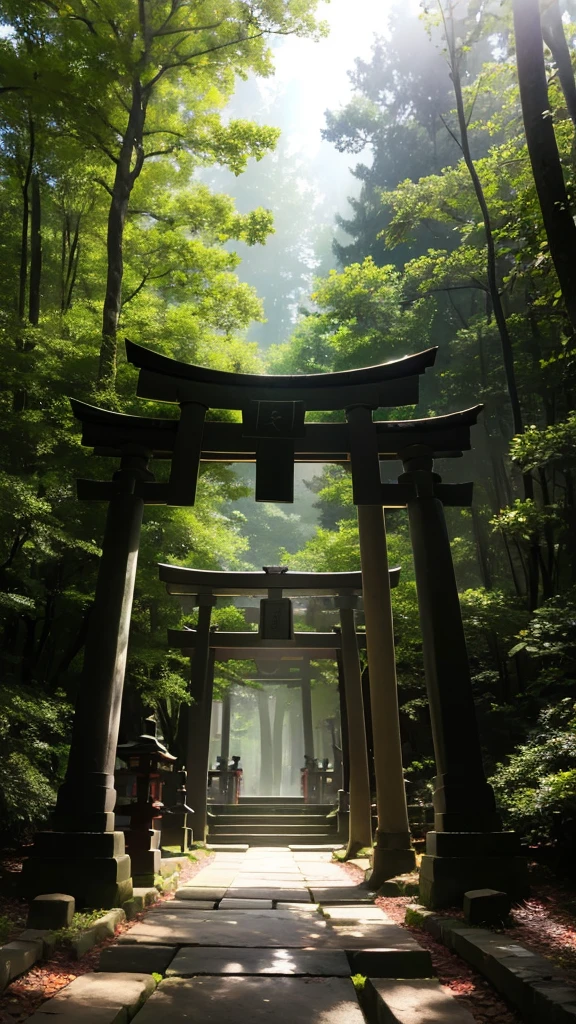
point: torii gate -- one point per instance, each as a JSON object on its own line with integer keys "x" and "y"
{"x": 203, "y": 587}
{"x": 83, "y": 855}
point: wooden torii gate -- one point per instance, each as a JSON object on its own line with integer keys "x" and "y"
{"x": 203, "y": 588}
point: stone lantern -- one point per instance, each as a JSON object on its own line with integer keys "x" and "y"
{"x": 146, "y": 760}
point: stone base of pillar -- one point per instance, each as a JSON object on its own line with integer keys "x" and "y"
{"x": 91, "y": 867}
{"x": 145, "y": 856}
{"x": 179, "y": 836}
{"x": 457, "y": 861}
{"x": 393, "y": 856}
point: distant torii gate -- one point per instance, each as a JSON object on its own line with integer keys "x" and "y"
{"x": 203, "y": 587}
{"x": 83, "y": 855}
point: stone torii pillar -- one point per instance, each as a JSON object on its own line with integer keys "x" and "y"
{"x": 84, "y": 856}
{"x": 393, "y": 853}
{"x": 467, "y": 849}
{"x": 197, "y": 728}
{"x": 360, "y": 827}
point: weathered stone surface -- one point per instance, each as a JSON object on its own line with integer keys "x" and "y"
{"x": 147, "y": 895}
{"x": 258, "y": 1000}
{"x": 415, "y": 1002}
{"x": 188, "y": 892}
{"x": 532, "y": 984}
{"x": 352, "y": 913}
{"x": 486, "y": 906}
{"x": 4, "y": 972}
{"x": 112, "y": 991}
{"x": 444, "y": 880}
{"x": 341, "y": 894}
{"x": 103, "y": 928}
{"x": 231, "y": 903}
{"x": 179, "y": 904}
{"x": 51, "y": 911}
{"x": 88, "y": 1015}
{"x": 17, "y": 956}
{"x": 230, "y": 928}
{"x": 391, "y": 963}
{"x": 136, "y": 959}
{"x": 42, "y": 935}
{"x": 371, "y": 935}
{"x": 318, "y": 963}
{"x": 269, "y": 893}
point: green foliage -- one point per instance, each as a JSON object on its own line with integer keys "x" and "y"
{"x": 32, "y": 732}
{"x": 538, "y": 781}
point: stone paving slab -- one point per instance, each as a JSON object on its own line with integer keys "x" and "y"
{"x": 417, "y": 1002}
{"x": 136, "y": 959}
{"x": 391, "y": 963}
{"x": 257, "y": 1000}
{"x": 354, "y": 913}
{"x": 207, "y": 878}
{"x": 245, "y": 904}
{"x": 318, "y": 963}
{"x": 121, "y": 994}
{"x": 185, "y": 904}
{"x": 309, "y": 857}
{"x": 230, "y": 928}
{"x": 88, "y": 1015}
{"x": 341, "y": 894}
{"x": 371, "y": 936}
{"x": 292, "y": 895}
{"x": 269, "y": 893}
{"x": 200, "y": 894}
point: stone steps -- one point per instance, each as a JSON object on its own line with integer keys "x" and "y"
{"x": 279, "y": 807}
{"x": 271, "y": 821}
{"x": 264, "y": 839}
{"x": 244, "y": 820}
{"x": 268, "y": 829}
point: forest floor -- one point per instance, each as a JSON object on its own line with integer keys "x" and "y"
{"x": 25, "y": 994}
{"x": 544, "y": 923}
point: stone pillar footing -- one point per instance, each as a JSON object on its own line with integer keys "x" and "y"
{"x": 393, "y": 856}
{"x": 92, "y": 867}
{"x": 456, "y": 862}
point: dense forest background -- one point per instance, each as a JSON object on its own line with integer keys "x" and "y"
{"x": 133, "y": 182}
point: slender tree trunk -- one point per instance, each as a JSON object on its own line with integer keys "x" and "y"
{"x": 35, "y": 252}
{"x": 124, "y": 180}
{"x": 543, "y": 150}
{"x": 555, "y": 39}
{"x": 494, "y": 291}
{"x": 505, "y": 340}
{"x": 69, "y": 260}
{"x": 278, "y": 733}
{"x": 23, "y": 277}
{"x": 265, "y": 743}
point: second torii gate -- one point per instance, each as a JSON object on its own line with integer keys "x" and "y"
{"x": 203, "y": 587}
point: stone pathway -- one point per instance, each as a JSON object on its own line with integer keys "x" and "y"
{"x": 260, "y": 936}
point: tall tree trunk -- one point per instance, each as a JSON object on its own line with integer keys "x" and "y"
{"x": 23, "y": 276}
{"x": 265, "y": 743}
{"x": 494, "y": 291}
{"x": 491, "y": 265}
{"x": 124, "y": 180}
{"x": 35, "y": 252}
{"x": 543, "y": 149}
{"x": 555, "y": 39}
{"x": 277, "y": 737}
{"x": 69, "y": 260}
